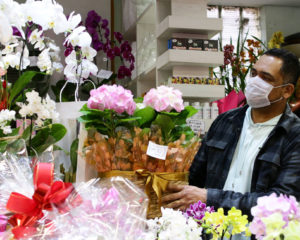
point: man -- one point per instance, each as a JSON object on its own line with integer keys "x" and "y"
{"x": 251, "y": 151}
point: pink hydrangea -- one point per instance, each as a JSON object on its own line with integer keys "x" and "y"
{"x": 164, "y": 98}
{"x": 266, "y": 206}
{"x": 112, "y": 97}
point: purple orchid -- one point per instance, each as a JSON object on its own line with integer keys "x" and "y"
{"x": 198, "y": 210}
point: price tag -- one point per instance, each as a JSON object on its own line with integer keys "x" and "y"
{"x": 157, "y": 151}
{"x": 198, "y": 126}
{"x": 104, "y": 74}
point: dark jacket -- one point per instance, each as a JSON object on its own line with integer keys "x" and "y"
{"x": 276, "y": 168}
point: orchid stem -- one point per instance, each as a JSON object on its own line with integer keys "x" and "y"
{"x": 30, "y": 137}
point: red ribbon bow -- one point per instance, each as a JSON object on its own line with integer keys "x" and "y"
{"x": 28, "y": 210}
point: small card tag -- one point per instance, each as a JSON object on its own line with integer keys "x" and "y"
{"x": 104, "y": 74}
{"x": 197, "y": 125}
{"x": 157, "y": 151}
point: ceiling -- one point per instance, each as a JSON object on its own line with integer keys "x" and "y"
{"x": 255, "y": 3}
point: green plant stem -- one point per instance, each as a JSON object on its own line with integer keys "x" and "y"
{"x": 30, "y": 137}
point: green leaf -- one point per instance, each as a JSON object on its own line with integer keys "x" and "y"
{"x": 26, "y": 134}
{"x": 129, "y": 119}
{"x": 73, "y": 154}
{"x": 138, "y": 100}
{"x": 3, "y": 145}
{"x": 166, "y": 124}
{"x": 48, "y": 136}
{"x": 20, "y": 84}
{"x": 147, "y": 115}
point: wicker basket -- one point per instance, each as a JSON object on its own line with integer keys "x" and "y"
{"x": 149, "y": 182}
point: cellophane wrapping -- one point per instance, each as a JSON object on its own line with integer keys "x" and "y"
{"x": 112, "y": 208}
{"x": 128, "y": 152}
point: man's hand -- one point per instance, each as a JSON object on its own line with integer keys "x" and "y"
{"x": 183, "y": 196}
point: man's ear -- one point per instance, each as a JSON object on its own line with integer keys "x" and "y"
{"x": 288, "y": 91}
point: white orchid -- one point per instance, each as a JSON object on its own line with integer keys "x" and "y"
{"x": 88, "y": 52}
{"x": 14, "y": 14}
{"x": 11, "y": 60}
{"x": 79, "y": 37}
{"x": 172, "y": 225}
{"x": 57, "y": 67}
{"x": 9, "y": 48}
{"x": 37, "y": 39}
{"x": 86, "y": 68}
{"x": 44, "y": 61}
{"x": 73, "y": 21}
{"x": 5, "y": 29}
{"x": 45, "y": 13}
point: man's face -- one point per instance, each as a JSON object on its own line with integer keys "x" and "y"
{"x": 268, "y": 69}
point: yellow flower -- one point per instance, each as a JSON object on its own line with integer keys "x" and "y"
{"x": 276, "y": 40}
{"x": 219, "y": 224}
{"x": 274, "y": 226}
{"x": 238, "y": 222}
{"x": 292, "y": 231}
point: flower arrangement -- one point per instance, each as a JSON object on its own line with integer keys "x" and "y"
{"x": 276, "y": 217}
{"x": 217, "y": 223}
{"x": 120, "y": 131}
{"x": 35, "y": 205}
{"x": 172, "y": 225}
{"x": 160, "y": 118}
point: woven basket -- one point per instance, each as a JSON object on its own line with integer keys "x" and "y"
{"x": 141, "y": 181}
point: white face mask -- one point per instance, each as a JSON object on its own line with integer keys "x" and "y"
{"x": 257, "y": 92}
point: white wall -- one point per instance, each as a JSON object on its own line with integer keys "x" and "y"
{"x": 284, "y": 19}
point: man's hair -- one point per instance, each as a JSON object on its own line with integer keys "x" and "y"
{"x": 290, "y": 64}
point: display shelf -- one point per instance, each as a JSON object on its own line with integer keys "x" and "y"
{"x": 173, "y": 57}
{"x": 200, "y": 91}
{"x": 187, "y": 24}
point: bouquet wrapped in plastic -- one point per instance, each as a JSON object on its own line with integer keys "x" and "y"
{"x": 148, "y": 142}
{"x": 33, "y": 205}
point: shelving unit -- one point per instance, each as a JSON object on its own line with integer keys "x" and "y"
{"x": 173, "y": 57}
{"x": 165, "y": 19}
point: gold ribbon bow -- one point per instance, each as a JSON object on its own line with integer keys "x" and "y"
{"x": 159, "y": 181}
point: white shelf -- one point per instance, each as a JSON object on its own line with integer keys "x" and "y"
{"x": 200, "y": 91}
{"x": 173, "y": 57}
{"x": 187, "y": 24}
